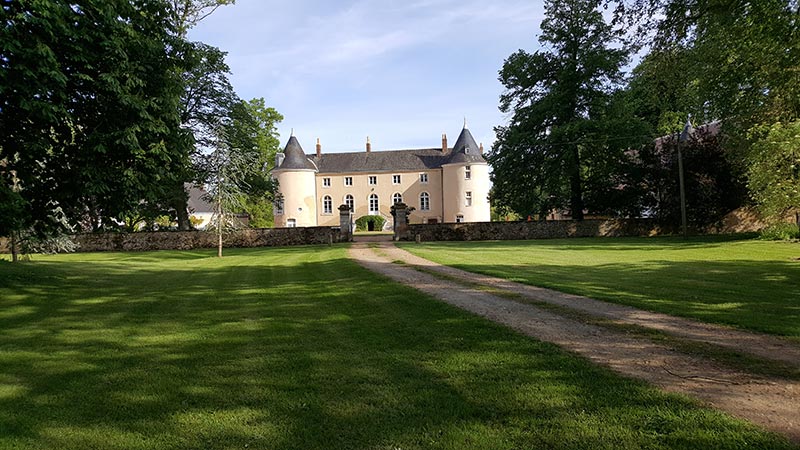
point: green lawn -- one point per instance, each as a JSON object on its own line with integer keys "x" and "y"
{"x": 298, "y": 349}
{"x": 749, "y": 284}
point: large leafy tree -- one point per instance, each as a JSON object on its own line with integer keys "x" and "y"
{"x": 188, "y": 13}
{"x": 774, "y": 175}
{"x": 89, "y": 95}
{"x": 662, "y": 97}
{"x": 738, "y": 60}
{"x": 260, "y": 122}
{"x": 745, "y": 58}
{"x": 206, "y": 100}
{"x": 558, "y": 98}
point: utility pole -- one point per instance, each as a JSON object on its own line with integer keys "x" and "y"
{"x": 685, "y": 136}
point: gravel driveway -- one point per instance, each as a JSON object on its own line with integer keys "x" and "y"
{"x": 771, "y": 402}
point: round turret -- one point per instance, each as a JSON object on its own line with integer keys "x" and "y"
{"x": 296, "y": 205}
{"x": 466, "y": 182}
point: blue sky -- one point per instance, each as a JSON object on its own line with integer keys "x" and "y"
{"x": 401, "y": 73}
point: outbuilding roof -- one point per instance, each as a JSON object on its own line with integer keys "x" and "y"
{"x": 197, "y": 202}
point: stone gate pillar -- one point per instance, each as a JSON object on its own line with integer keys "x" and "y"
{"x": 400, "y": 213}
{"x": 346, "y": 223}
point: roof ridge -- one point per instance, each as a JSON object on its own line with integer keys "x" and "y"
{"x": 438, "y": 149}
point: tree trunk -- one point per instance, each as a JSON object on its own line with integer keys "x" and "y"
{"x": 575, "y": 186}
{"x": 219, "y": 229}
{"x": 14, "y": 256}
{"x": 182, "y": 211}
{"x": 797, "y": 218}
{"x": 179, "y": 201}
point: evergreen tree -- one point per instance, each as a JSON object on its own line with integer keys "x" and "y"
{"x": 229, "y": 167}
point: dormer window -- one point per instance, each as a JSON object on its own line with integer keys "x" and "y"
{"x": 466, "y": 150}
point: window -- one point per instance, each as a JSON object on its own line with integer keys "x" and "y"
{"x": 291, "y": 223}
{"x": 423, "y": 178}
{"x": 467, "y": 172}
{"x": 348, "y": 181}
{"x": 326, "y": 182}
{"x": 424, "y": 202}
{"x": 397, "y": 198}
{"x": 373, "y": 180}
{"x": 459, "y": 218}
{"x": 327, "y": 205}
{"x": 373, "y": 204}
{"x": 348, "y": 200}
{"x": 468, "y": 199}
{"x": 279, "y": 204}
{"x": 395, "y": 179}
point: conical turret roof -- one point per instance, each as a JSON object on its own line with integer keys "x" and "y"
{"x": 465, "y": 150}
{"x": 294, "y": 157}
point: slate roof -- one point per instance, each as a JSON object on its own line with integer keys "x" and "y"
{"x": 392, "y": 160}
{"x": 465, "y": 149}
{"x": 295, "y": 157}
{"x": 196, "y": 202}
{"x": 386, "y": 161}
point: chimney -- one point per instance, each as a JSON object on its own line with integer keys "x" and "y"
{"x": 444, "y": 143}
{"x": 319, "y": 149}
{"x": 481, "y": 148}
{"x": 369, "y": 146}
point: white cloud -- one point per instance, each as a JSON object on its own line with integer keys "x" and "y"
{"x": 401, "y": 72}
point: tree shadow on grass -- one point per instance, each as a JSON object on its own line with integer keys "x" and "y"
{"x": 757, "y": 295}
{"x": 655, "y": 243}
{"x": 305, "y": 355}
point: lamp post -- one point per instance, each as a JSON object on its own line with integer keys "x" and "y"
{"x": 685, "y": 136}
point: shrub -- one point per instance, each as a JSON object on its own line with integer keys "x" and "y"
{"x": 60, "y": 243}
{"x": 781, "y": 232}
{"x": 361, "y": 222}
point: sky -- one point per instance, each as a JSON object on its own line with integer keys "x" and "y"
{"x": 400, "y": 72}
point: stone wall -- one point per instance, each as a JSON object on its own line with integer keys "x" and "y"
{"x": 187, "y": 240}
{"x": 747, "y": 220}
{"x": 479, "y": 231}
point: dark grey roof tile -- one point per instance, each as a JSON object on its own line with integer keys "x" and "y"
{"x": 381, "y": 161}
{"x": 295, "y": 158}
{"x": 465, "y": 149}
